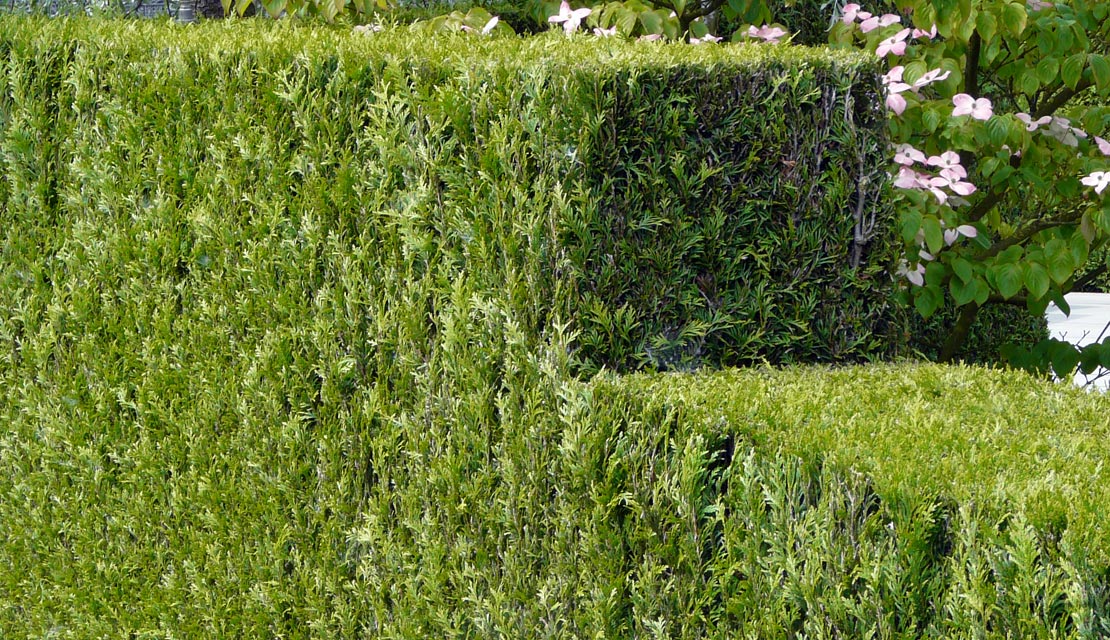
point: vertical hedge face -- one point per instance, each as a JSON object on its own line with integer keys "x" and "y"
{"x": 707, "y": 200}
{"x": 720, "y": 224}
{"x": 263, "y": 285}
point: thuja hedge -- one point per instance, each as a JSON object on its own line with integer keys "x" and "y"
{"x": 259, "y": 382}
{"x": 690, "y": 205}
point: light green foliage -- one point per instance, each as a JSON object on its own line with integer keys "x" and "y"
{"x": 288, "y": 339}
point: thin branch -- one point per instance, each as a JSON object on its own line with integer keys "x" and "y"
{"x": 1031, "y": 230}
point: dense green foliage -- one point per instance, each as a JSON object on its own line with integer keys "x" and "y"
{"x": 688, "y": 206}
{"x": 994, "y": 328}
{"x": 289, "y": 336}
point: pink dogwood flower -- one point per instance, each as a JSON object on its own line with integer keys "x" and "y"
{"x": 906, "y": 155}
{"x": 571, "y": 18}
{"x": 876, "y": 22}
{"x": 966, "y": 105}
{"x": 605, "y": 33}
{"x": 915, "y": 275}
{"x": 895, "y": 44}
{"x": 1099, "y": 180}
{"x": 1030, "y": 123}
{"x": 767, "y": 33}
{"x": 1103, "y": 146}
{"x": 709, "y": 37}
{"x": 851, "y": 12}
{"x": 949, "y": 165}
{"x": 1038, "y": 5}
{"x": 935, "y": 75}
{"x": 927, "y": 35}
{"x": 910, "y": 179}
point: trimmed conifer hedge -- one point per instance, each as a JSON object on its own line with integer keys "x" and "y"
{"x": 691, "y": 205}
{"x": 290, "y": 324}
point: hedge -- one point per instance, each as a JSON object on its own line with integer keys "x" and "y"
{"x": 691, "y": 205}
{"x": 282, "y": 360}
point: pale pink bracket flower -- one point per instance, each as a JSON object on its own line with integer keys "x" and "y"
{"x": 1099, "y": 180}
{"x": 906, "y": 155}
{"x": 895, "y": 44}
{"x": 876, "y": 22}
{"x": 949, "y": 165}
{"x": 966, "y": 105}
{"x": 935, "y": 75}
{"x": 1103, "y": 146}
{"x": 926, "y": 256}
{"x": 915, "y": 275}
{"x": 928, "y": 35}
{"x": 1038, "y": 5}
{"x": 767, "y": 33}
{"x": 605, "y": 33}
{"x": 1030, "y": 123}
{"x": 894, "y": 87}
{"x": 910, "y": 179}
{"x": 952, "y": 235}
{"x": 894, "y": 75}
{"x": 709, "y": 37}
{"x": 1061, "y": 129}
{"x": 486, "y": 29}
{"x": 651, "y": 37}
{"x": 571, "y": 18}
{"x": 851, "y": 12}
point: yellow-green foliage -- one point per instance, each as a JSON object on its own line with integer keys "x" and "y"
{"x": 289, "y": 329}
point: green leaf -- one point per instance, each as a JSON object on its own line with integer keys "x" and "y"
{"x": 911, "y": 224}
{"x": 986, "y": 25}
{"x": 1014, "y": 18}
{"x": 1072, "y": 69}
{"x": 998, "y": 130}
{"x": 1058, "y": 260}
{"x": 928, "y": 300}
{"x": 652, "y": 22}
{"x": 1047, "y": 70}
{"x": 1008, "y": 279}
{"x": 1100, "y": 68}
{"x": 1036, "y": 279}
{"x": 963, "y": 270}
{"x": 962, "y": 292}
{"x": 934, "y": 236}
{"x": 1065, "y": 358}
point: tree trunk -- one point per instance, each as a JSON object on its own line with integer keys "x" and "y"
{"x": 958, "y": 336}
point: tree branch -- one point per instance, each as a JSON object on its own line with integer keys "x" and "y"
{"x": 971, "y": 68}
{"x": 1031, "y": 230}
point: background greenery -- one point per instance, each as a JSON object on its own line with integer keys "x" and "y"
{"x": 292, "y": 347}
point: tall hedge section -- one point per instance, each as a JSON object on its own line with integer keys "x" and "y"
{"x": 702, "y": 206}
{"x": 291, "y": 346}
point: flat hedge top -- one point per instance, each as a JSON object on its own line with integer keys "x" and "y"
{"x": 263, "y": 37}
{"x": 978, "y": 436}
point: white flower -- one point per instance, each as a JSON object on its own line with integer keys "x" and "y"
{"x": 570, "y": 18}
{"x": 486, "y": 29}
{"x": 916, "y": 276}
{"x": 768, "y": 33}
{"x": 980, "y": 109}
{"x": 1099, "y": 180}
{"x": 895, "y": 44}
{"x": 1030, "y": 124}
{"x": 709, "y": 37}
{"x": 875, "y": 22}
